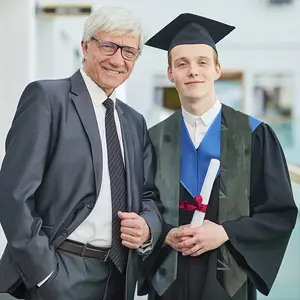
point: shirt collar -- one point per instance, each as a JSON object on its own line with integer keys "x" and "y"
{"x": 97, "y": 94}
{"x": 207, "y": 118}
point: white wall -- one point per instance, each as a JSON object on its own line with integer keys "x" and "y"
{"x": 57, "y": 40}
{"x": 17, "y": 63}
{"x": 17, "y": 54}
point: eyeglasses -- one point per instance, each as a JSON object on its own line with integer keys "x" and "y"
{"x": 110, "y": 48}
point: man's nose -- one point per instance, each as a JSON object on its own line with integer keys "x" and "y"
{"x": 117, "y": 60}
{"x": 193, "y": 71}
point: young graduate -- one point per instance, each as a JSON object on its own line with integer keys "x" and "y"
{"x": 251, "y": 212}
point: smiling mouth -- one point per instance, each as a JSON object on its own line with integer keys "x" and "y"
{"x": 113, "y": 71}
{"x": 194, "y": 82}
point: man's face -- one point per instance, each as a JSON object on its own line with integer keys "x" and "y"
{"x": 108, "y": 71}
{"x": 193, "y": 71}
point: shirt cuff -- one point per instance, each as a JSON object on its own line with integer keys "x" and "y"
{"x": 146, "y": 247}
{"x": 42, "y": 282}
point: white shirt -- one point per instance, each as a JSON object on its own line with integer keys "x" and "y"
{"x": 96, "y": 229}
{"x": 198, "y": 126}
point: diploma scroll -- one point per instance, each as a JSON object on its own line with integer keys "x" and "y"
{"x": 210, "y": 177}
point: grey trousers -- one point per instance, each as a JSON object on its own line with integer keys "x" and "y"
{"x": 81, "y": 278}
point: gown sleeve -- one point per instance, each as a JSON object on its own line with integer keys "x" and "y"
{"x": 258, "y": 242}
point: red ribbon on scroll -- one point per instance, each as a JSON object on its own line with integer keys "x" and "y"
{"x": 199, "y": 206}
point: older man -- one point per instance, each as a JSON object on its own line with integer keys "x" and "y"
{"x": 73, "y": 203}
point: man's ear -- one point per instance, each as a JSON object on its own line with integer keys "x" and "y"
{"x": 84, "y": 48}
{"x": 170, "y": 75}
{"x": 218, "y": 72}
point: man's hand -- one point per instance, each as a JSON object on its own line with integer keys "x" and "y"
{"x": 134, "y": 230}
{"x": 206, "y": 237}
{"x": 174, "y": 238}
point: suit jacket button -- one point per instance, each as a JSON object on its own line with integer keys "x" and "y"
{"x": 64, "y": 232}
{"x": 90, "y": 205}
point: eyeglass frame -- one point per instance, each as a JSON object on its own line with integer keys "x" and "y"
{"x": 99, "y": 42}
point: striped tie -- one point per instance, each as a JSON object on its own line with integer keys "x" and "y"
{"x": 118, "y": 252}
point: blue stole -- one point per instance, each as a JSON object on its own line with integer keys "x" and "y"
{"x": 194, "y": 162}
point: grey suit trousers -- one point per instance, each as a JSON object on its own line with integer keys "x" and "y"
{"x": 81, "y": 278}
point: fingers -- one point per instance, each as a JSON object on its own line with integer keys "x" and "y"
{"x": 184, "y": 238}
{"x": 194, "y": 251}
{"x": 183, "y": 250}
{"x": 127, "y": 215}
{"x": 131, "y": 239}
{"x": 131, "y": 231}
{"x": 130, "y": 245}
{"x": 186, "y": 231}
{"x": 188, "y": 243}
{"x": 131, "y": 223}
{"x": 199, "y": 252}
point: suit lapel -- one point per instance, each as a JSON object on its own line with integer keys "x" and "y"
{"x": 83, "y": 103}
{"x": 128, "y": 151}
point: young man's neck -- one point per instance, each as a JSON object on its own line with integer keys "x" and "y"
{"x": 198, "y": 107}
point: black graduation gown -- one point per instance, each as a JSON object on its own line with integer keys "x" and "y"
{"x": 257, "y": 243}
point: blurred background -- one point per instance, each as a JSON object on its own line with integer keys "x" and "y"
{"x": 260, "y": 62}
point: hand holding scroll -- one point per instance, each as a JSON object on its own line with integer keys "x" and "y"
{"x": 206, "y": 237}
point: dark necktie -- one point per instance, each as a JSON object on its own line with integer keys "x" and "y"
{"x": 118, "y": 252}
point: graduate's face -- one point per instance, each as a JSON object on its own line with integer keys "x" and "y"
{"x": 109, "y": 71}
{"x": 194, "y": 69}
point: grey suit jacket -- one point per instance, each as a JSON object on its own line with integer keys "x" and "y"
{"x": 51, "y": 177}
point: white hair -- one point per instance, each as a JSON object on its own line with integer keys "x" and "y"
{"x": 116, "y": 21}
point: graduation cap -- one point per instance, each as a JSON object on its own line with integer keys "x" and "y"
{"x": 190, "y": 29}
